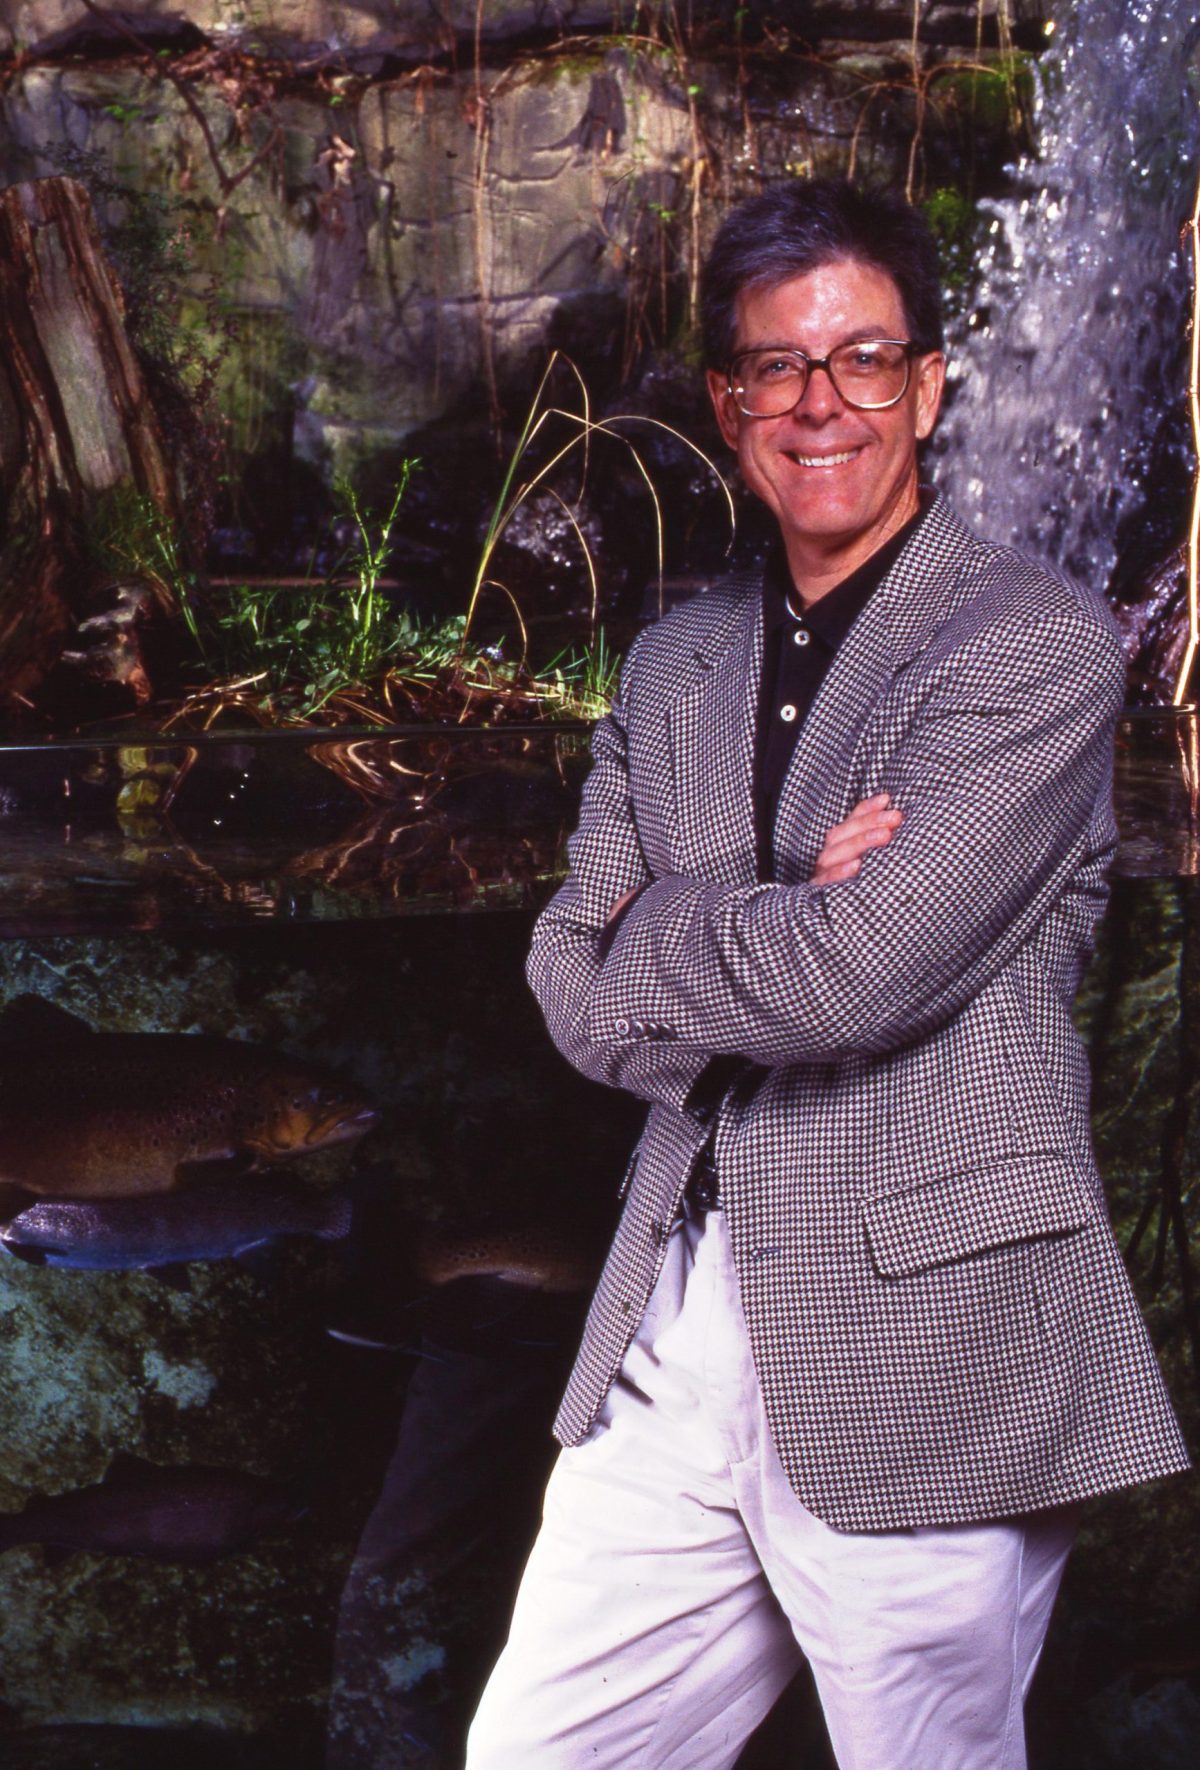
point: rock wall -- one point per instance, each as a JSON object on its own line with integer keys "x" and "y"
{"x": 370, "y": 32}
{"x": 399, "y": 207}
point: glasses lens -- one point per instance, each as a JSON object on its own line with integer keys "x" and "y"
{"x": 768, "y": 383}
{"x": 870, "y": 374}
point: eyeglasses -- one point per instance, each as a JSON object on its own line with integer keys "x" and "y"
{"x": 869, "y": 374}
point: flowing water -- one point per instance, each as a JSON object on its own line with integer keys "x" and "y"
{"x": 1066, "y": 431}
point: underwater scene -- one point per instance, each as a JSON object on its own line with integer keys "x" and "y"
{"x": 299, "y": 1219}
{"x": 300, "y": 1214}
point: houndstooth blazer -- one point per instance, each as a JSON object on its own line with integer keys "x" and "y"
{"x": 940, "y": 1318}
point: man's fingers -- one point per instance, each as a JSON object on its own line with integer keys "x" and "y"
{"x": 852, "y": 843}
{"x": 826, "y": 875}
{"x": 871, "y": 824}
{"x": 868, "y": 811}
{"x": 868, "y": 820}
{"x": 854, "y": 837}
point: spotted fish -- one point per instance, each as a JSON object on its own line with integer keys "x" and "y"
{"x": 536, "y": 1257}
{"x": 114, "y": 1115}
{"x": 223, "y": 1219}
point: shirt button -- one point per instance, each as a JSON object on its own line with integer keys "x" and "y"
{"x": 787, "y": 713}
{"x": 801, "y": 637}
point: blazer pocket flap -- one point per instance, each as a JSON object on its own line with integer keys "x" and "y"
{"x": 1024, "y": 1199}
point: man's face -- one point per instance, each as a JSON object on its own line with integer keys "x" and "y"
{"x": 839, "y": 481}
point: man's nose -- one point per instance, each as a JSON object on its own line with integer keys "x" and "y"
{"x": 820, "y": 398}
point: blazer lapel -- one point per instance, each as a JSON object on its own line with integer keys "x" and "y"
{"x": 711, "y": 738}
{"x": 911, "y": 602}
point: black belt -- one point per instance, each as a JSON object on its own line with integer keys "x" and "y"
{"x": 703, "y": 1190}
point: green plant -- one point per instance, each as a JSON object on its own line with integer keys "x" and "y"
{"x": 284, "y": 654}
{"x": 304, "y": 646}
{"x": 124, "y": 113}
{"x": 129, "y": 535}
{"x": 366, "y": 642}
{"x": 953, "y": 220}
{"x": 583, "y": 679}
{"x": 336, "y": 646}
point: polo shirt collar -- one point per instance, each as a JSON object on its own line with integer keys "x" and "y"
{"x": 832, "y": 616}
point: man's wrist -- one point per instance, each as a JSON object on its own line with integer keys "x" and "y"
{"x": 616, "y": 916}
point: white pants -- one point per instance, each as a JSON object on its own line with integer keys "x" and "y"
{"x": 676, "y": 1574}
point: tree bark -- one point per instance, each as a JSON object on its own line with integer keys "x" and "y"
{"x": 76, "y": 428}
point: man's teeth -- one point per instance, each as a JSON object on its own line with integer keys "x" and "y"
{"x": 825, "y": 460}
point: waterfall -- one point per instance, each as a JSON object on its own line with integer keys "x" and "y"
{"x": 1070, "y": 371}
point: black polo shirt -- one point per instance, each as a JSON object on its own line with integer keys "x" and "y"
{"x": 798, "y": 648}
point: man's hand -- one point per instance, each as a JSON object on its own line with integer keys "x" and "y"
{"x": 625, "y": 898}
{"x": 871, "y": 824}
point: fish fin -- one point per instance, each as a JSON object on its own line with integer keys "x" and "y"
{"x": 32, "y": 1256}
{"x": 173, "y": 1273}
{"x": 31, "y": 1020}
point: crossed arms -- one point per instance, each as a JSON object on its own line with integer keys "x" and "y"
{"x": 1000, "y": 776}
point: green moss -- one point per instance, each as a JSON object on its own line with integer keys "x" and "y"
{"x": 573, "y": 66}
{"x": 990, "y": 98}
{"x": 954, "y": 221}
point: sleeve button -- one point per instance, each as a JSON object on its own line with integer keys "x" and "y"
{"x": 621, "y": 1026}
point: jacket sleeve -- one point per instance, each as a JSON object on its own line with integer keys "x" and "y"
{"x": 999, "y": 777}
{"x": 569, "y": 949}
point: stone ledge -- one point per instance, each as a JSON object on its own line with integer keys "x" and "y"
{"x": 367, "y": 33}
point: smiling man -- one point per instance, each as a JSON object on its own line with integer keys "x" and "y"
{"x": 864, "y": 1339}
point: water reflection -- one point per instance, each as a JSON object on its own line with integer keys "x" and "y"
{"x": 1157, "y": 793}
{"x": 115, "y": 836}
{"x": 284, "y": 826}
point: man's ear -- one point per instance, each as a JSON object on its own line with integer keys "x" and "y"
{"x": 931, "y": 382}
{"x": 724, "y": 406}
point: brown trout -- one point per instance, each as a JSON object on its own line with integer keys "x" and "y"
{"x": 119, "y": 1115}
{"x": 536, "y": 1257}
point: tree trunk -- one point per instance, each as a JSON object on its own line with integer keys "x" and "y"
{"x": 77, "y": 433}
